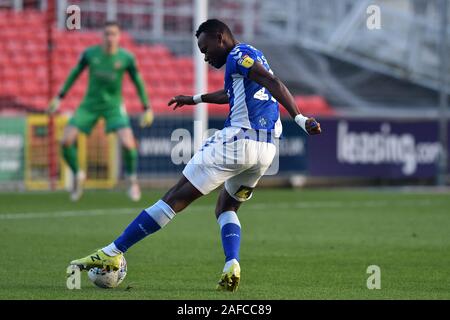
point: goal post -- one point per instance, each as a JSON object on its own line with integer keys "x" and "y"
{"x": 200, "y": 76}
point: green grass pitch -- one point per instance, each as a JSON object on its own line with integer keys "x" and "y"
{"x": 313, "y": 244}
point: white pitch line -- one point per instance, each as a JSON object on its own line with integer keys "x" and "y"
{"x": 65, "y": 214}
{"x": 254, "y": 206}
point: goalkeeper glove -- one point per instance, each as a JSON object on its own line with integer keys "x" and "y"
{"x": 54, "y": 104}
{"x": 147, "y": 118}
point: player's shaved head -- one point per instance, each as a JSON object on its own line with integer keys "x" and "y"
{"x": 215, "y": 41}
{"x": 212, "y": 27}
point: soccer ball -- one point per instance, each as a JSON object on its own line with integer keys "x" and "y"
{"x": 108, "y": 279}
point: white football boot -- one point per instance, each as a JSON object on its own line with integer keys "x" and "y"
{"x": 77, "y": 187}
{"x": 134, "y": 191}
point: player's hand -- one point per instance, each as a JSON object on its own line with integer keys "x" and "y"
{"x": 312, "y": 126}
{"x": 146, "y": 118}
{"x": 179, "y": 101}
{"x": 54, "y": 105}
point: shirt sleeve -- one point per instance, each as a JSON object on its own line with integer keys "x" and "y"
{"x": 138, "y": 82}
{"x": 242, "y": 61}
{"x": 82, "y": 63}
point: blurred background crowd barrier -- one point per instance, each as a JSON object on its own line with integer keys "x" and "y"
{"x": 381, "y": 94}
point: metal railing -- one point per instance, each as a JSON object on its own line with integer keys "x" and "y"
{"x": 406, "y": 45}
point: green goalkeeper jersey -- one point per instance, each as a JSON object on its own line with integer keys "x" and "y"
{"x": 105, "y": 78}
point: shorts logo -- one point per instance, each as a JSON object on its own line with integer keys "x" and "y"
{"x": 244, "y": 192}
{"x": 246, "y": 61}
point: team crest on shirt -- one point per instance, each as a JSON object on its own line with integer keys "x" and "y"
{"x": 246, "y": 61}
{"x": 262, "y": 122}
{"x": 243, "y": 192}
{"x": 117, "y": 65}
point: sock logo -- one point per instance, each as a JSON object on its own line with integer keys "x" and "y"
{"x": 231, "y": 235}
{"x": 142, "y": 228}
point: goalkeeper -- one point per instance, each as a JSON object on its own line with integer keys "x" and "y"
{"x": 107, "y": 64}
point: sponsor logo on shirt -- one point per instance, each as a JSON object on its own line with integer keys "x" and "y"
{"x": 246, "y": 61}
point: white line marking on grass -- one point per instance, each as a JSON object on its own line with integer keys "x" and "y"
{"x": 254, "y": 206}
{"x": 65, "y": 214}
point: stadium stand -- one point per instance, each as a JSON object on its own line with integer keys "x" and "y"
{"x": 23, "y": 69}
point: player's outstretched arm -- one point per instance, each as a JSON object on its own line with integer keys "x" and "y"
{"x": 279, "y": 91}
{"x": 217, "y": 97}
{"x": 73, "y": 76}
{"x": 147, "y": 117}
{"x": 138, "y": 83}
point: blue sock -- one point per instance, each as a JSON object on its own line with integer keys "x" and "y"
{"x": 230, "y": 229}
{"x": 149, "y": 221}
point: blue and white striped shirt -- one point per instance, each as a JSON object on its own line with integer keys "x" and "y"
{"x": 251, "y": 105}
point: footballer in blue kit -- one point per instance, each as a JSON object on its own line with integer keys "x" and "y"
{"x": 251, "y": 105}
{"x": 236, "y": 156}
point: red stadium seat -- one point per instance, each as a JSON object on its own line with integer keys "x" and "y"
{"x": 23, "y": 69}
{"x": 314, "y": 105}
{"x": 10, "y": 88}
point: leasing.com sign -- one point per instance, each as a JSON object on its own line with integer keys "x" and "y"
{"x": 375, "y": 148}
